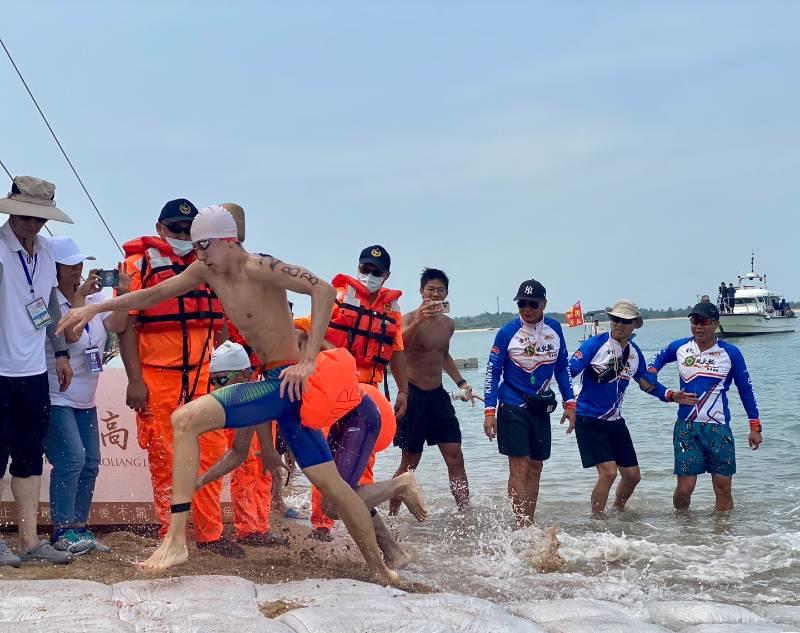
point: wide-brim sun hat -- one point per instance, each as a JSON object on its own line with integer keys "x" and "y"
{"x": 33, "y": 197}
{"x": 66, "y": 251}
{"x": 626, "y": 309}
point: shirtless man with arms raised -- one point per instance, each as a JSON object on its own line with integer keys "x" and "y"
{"x": 252, "y": 289}
{"x": 430, "y": 416}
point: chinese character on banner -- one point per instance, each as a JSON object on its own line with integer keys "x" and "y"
{"x": 575, "y": 315}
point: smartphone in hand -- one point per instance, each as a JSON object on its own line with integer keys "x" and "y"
{"x": 442, "y": 307}
{"x": 109, "y": 278}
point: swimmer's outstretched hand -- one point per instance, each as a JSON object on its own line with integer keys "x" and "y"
{"x": 293, "y": 379}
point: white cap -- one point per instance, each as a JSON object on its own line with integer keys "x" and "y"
{"x": 67, "y": 251}
{"x": 229, "y": 356}
{"x": 214, "y": 222}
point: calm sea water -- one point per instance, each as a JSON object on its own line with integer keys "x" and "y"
{"x": 649, "y": 552}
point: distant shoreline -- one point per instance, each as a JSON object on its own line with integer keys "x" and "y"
{"x": 489, "y": 329}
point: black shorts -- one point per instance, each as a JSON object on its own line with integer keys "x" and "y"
{"x": 521, "y": 433}
{"x": 24, "y": 416}
{"x": 604, "y": 441}
{"x": 429, "y": 417}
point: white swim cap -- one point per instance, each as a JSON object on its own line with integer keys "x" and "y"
{"x": 229, "y": 356}
{"x": 214, "y": 222}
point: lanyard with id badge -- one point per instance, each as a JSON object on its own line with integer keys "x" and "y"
{"x": 94, "y": 360}
{"x": 37, "y": 308}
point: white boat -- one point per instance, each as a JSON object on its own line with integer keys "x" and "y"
{"x": 755, "y": 309}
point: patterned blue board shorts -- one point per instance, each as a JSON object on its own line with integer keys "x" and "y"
{"x": 703, "y": 447}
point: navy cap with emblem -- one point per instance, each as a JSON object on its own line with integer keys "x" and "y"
{"x": 178, "y": 210}
{"x": 377, "y": 256}
{"x": 530, "y": 289}
{"x": 705, "y": 310}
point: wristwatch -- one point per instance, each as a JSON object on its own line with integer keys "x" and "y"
{"x": 64, "y": 353}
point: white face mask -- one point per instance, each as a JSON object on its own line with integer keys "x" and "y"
{"x": 180, "y": 247}
{"x": 372, "y": 283}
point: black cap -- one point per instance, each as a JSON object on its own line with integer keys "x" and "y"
{"x": 377, "y": 256}
{"x": 179, "y": 210}
{"x": 530, "y": 289}
{"x": 706, "y": 310}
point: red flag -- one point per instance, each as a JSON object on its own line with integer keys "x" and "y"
{"x": 575, "y": 315}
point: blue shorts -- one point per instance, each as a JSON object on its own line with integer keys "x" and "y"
{"x": 703, "y": 447}
{"x": 251, "y": 403}
{"x": 352, "y": 439}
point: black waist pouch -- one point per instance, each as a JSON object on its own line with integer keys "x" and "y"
{"x": 542, "y": 403}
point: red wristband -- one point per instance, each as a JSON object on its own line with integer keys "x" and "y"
{"x": 755, "y": 425}
{"x": 570, "y": 405}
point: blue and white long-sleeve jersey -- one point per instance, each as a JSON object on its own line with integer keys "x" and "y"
{"x": 527, "y": 357}
{"x": 708, "y": 374}
{"x": 605, "y": 401}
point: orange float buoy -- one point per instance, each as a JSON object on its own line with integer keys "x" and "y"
{"x": 331, "y": 391}
{"x": 388, "y": 421}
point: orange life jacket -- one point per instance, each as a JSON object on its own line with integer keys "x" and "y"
{"x": 364, "y": 328}
{"x": 197, "y": 308}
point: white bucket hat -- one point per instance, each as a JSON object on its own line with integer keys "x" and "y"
{"x": 34, "y": 197}
{"x": 214, "y": 222}
{"x": 626, "y": 309}
{"x": 229, "y": 356}
{"x": 67, "y": 251}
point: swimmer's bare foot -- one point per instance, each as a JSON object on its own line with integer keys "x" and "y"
{"x": 385, "y": 576}
{"x": 411, "y": 495}
{"x": 398, "y": 559}
{"x": 169, "y": 553}
{"x": 394, "y": 506}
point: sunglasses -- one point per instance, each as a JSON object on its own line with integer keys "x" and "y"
{"x": 179, "y": 230}
{"x": 524, "y": 303}
{"x": 369, "y": 269}
{"x": 201, "y": 245}
{"x": 221, "y": 381}
{"x": 616, "y": 319}
{"x": 698, "y": 320}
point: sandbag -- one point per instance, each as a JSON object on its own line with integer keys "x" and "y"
{"x": 740, "y": 628}
{"x": 330, "y": 593}
{"x": 603, "y": 625}
{"x": 780, "y": 613}
{"x": 210, "y": 616}
{"x": 203, "y": 588}
{"x": 388, "y": 421}
{"x": 365, "y": 618}
{"x": 466, "y": 613}
{"x": 331, "y": 391}
{"x": 678, "y": 614}
{"x": 78, "y": 624}
{"x": 551, "y": 610}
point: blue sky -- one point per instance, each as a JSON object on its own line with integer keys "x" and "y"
{"x": 609, "y": 150}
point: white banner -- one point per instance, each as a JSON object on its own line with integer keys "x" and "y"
{"x": 123, "y": 493}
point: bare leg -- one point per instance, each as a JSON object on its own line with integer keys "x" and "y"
{"x": 532, "y": 488}
{"x": 684, "y": 488}
{"x": 403, "y": 487}
{"x": 278, "y": 503}
{"x": 26, "y": 498}
{"x": 606, "y": 474}
{"x": 409, "y": 461}
{"x": 355, "y": 516}
{"x": 188, "y": 423}
{"x": 394, "y": 555}
{"x": 722, "y": 489}
{"x": 459, "y": 486}
{"x": 517, "y": 488}
{"x": 630, "y": 478}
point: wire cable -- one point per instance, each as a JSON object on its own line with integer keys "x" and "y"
{"x": 55, "y": 138}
